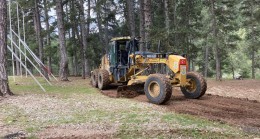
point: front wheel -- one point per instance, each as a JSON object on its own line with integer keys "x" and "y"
{"x": 158, "y": 89}
{"x": 197, "y": 86}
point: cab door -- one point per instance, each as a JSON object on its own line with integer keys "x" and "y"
{"x": 112, "y": 54}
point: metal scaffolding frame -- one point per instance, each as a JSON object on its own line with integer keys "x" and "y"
{"x": 26, "y": 49}
{"x": 17, "y": 58}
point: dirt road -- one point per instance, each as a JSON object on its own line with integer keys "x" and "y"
{"x": 218, "y": 106}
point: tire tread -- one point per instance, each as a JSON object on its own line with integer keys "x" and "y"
{"x": 105, "y": 76}
{"x": 203, "y": 85}
{"x": 167, "y": 92}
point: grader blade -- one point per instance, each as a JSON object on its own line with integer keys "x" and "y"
{"x": 130, "y": 91}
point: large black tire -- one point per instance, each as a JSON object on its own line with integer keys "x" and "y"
{"x": 158, "y": 89}
{"x": 103, "y": 79}
{"x": 94, "y": 78}
{"x": 197, "y": 88}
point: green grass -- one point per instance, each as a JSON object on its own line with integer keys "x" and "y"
{"x": 15, "y": 115}
{"x": 76, "y": 103}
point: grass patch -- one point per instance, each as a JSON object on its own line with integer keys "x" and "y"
{"x": 28, "y": 86}
{"x": 76, "y": 103}
{"x": 13, "y": 115}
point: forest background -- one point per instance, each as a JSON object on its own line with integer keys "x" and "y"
{"x": 221, "y": 38}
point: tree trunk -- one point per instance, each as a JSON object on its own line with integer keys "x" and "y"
{"x": 47, "y": 24}
{"x": 85, "y": 66}
{"x": 206, "y": 62}
{"x": 48, "y": 38}
{"x": 253, "y": 36}
{"x": 37, "y": 25}
{"x": 131, "y": 19}
{"x": 189, "y": 63}
{"x": 88, "y": 30}
{"x": 215, "y": 43}
{"x": 141, "y": 24}
{"x": 100, "y": 29}
{"x": 193, "y": 65}
{"x": 17, "y": 63}
{"x": 4, "y": 86}
{"x": 233, "y": 71}
{"x": 106, "y": 27}
{"x": 147, "y": 20}
{"x": 167, "y": 21}
{"x": 88, "y": 18}
{"x": 87, "y": 36}
{"x": 175, "y": 15}
{"x": 167, "y": 18}
{"x": 76, "y": 63}
{"x": 253, "y": 62}
{"x": 63, "y": 73}
{"x": 49, "y": 64}
{"x": 79, "y": 42}
{"x": 73, "y": 19}
{"x": 83, "y": 37}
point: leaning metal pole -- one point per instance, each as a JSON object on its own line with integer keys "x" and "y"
{"x": 17, "y": 58}
{"x": 30, "y": 62}
{"x": 37, "y": 60}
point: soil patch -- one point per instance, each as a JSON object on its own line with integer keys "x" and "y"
{"x": 236, "y": 111}
{"x": 249, "y": 89}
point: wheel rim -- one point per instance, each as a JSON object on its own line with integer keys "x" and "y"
{"x": 154, "y": 89}
{"x": 192, "y": 87}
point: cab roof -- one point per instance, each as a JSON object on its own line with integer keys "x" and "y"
{"x": 120, "y": 38}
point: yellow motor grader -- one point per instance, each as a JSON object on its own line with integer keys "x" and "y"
{"x": 155, "y": 73}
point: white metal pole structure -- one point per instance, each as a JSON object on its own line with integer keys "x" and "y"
{"x": 19, "y": 43}
{"x": 30, "y": 61}
{"x": 24, "y": 44}
{"x": 17, "y": 58}
{"x": 38, "y": 61}
{"x": 11, "y": 35}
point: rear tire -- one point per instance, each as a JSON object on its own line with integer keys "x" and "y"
{"x": 94, "y": 78}
{"x": 158, "y": 89}
{"x": 197, "y": 88}
{"x": 103, "y": 79}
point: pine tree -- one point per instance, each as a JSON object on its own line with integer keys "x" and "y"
{"x": 130, "y": 15}
{"x": 63, "y": 52}
{"x": 249, "y": 9}
{"x": 85, "y": 61}
{"x": 147, "y": 20}
{"x": 39, "y": 38}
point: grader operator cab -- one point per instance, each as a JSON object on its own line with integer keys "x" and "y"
{"x": 155, "y": 73}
